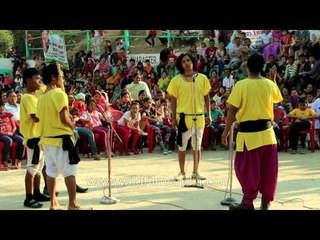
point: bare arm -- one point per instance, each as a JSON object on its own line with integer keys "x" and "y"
{"x": 174, "y": 110}
{"x": 231, "y": 117}
{"x": 34, "y": 117}
{"x": 65, "y": 118}
{"x": 208, "y": 108}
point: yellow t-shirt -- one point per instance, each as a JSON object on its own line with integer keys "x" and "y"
{"x": 41, "y": 90}
{"x": 309, "y": 112}
{"x": 254, "y": 99}
{"x": 28, "y": 127}
{"x": 184, "y": 92}
{"x": 50, "y": 105}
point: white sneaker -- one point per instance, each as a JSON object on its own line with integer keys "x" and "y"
{"x": 180, "y": 177}
{"x": 197, "y": 176}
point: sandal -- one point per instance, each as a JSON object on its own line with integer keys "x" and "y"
{"x": 32, "y": 204}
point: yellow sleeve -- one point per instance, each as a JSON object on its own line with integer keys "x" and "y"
{"x": 207, "y": 86}
{"x": 235, "y": 96}
{"x": 172, "y": 88}
{"x": 61, "y": 100}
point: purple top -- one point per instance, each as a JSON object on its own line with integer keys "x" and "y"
{"x": 276, "y": 34}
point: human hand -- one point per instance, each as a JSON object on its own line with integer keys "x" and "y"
{"x": 224, "y": 137}
{"x": 208, "y": 120}
{"x": 174, "y": 122}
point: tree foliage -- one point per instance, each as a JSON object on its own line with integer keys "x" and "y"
{"x": 6, "y": 42}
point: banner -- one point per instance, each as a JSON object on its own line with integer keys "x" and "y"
{"x": 6, "y": 65}
{"x": 254, "y": 36}
{"x": 54, "y": 49}
{"x": 153, "y": 57}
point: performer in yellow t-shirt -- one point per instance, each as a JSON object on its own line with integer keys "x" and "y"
{"x": 28, "y": 128}
{"x": 56, "y": 134}
{"x": 256, "y": 162}
{"x": 189, "y": 92}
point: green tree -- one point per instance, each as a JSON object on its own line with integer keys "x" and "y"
{"x": 6, "y": 42}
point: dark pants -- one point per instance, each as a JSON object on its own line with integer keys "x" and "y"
{"x": 90, "y": 136}
{"x": 7, "y": 142}
{"x": 295, "y": 128}
{"x": 150, "y": 36}
{"x": 257, "y": 171}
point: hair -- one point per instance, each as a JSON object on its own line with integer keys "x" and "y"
{"x": 29, "y": 73}
{"x": 302, "y": 100}
{"x": 146, "y": 99}
{"x": 179, "y": 62}
{"x": 1, "y": 102}
{"x": 160, "y": 91}
{"x": 135, "y": 102}
{"x": 123, "y": 93}
{"x": 10, "y": 92}
{"x": 163, "y": 101}
{"x": 49, "y": 71}
{"x": 255, "y": 63}
{"x": 142, "y": 91}
{"x": 90, "y": 101}
{"x": 135, "y": 74}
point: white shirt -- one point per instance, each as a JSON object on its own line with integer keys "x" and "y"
{"x": 13, "y": 109}
{"x": 127, "y": 115}
{"x": 316, "y": 107}
{"x": 228, "y": 82}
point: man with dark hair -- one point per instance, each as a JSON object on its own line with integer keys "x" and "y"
{"x": 28, "y": 128}
{"x": 256, "y": 162}
{"x": 57, "y": 137}
{"x": 189, "y": 92}
{"x": 302, "y": 116}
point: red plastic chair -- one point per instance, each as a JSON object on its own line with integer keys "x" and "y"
{"x": 13, "y": 153}
{"x": 84, "y": 143}
{"x": 311, "y": 132}
{"x": 1, "y": 146}
{"x": 279, "y": 117}
{"x": 115, "y": 115}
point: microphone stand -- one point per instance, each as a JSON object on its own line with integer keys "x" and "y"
{"x": 107, "y": 199}
{"x": 194, "y": 118}
{"x": 229, "y": 200}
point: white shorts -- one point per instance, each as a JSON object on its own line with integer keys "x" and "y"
{"x": 34, "y": 169}
{"x": 191, "y": 133}
{"x": 57, "y": 161}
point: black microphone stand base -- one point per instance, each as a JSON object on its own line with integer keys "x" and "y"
{"x": 109, "y": 200}
{"x": 228, "y": 201}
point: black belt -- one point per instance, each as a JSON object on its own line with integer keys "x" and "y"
{"x": 67, "y": 145}
{"x": 190, "y": 114}
{"x": 255, "y": 126}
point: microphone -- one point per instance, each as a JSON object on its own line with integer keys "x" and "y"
{"x": 194, "y": 77}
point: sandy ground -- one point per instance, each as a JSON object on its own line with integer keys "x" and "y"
{"x": 145, "y": 182}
